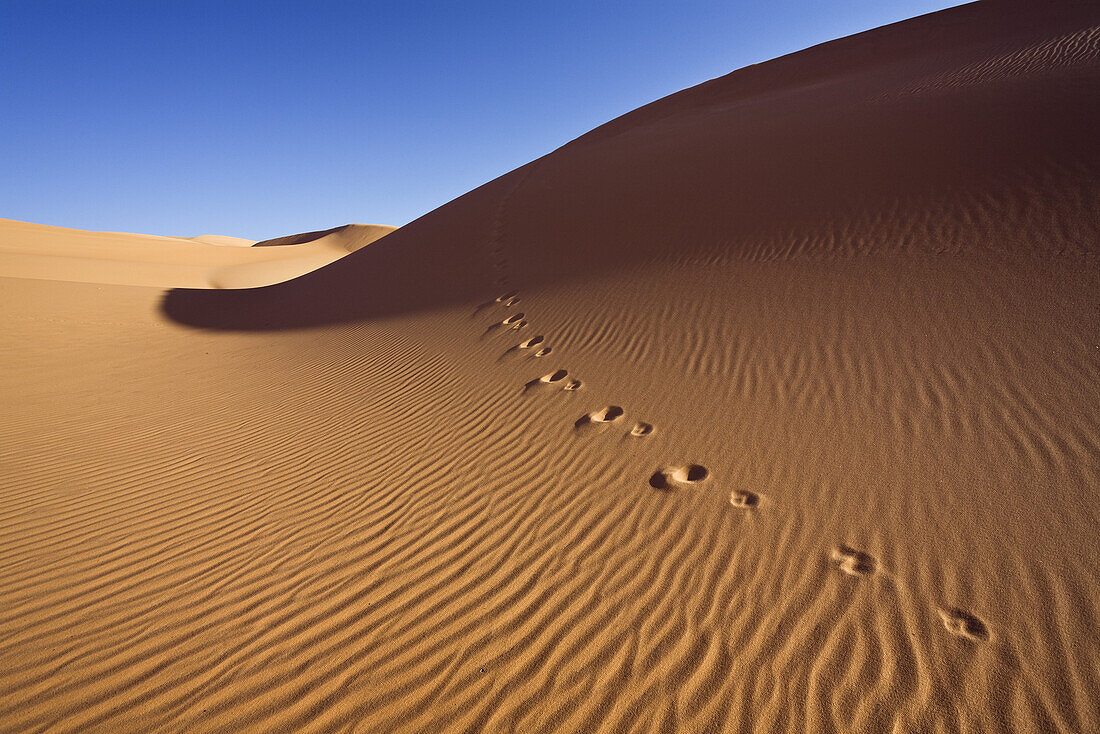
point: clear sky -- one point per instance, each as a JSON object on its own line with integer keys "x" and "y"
{"x": 259, "y": 119}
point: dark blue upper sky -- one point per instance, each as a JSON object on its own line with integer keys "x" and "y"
{"x": 259, "y": 119}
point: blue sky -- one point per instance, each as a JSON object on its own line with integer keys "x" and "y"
{"x": 259, "y": 119}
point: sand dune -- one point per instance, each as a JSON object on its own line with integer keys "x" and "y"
{"x": 208, "y": 261}
{"x": 217, "y": 239}
{"x": 771, "y": 406}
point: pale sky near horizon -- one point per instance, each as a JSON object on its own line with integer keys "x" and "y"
{"x": 260, "y": 119}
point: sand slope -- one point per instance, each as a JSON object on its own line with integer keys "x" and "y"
{"x": 770, "y": 406}
{"x": 207, "y": 261}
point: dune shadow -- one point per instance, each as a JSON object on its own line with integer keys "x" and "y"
{"x": 430, "y": 263}
{"x": 380, "y": 280}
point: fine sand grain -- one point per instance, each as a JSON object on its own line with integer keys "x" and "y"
{"x": 771, "y": 406}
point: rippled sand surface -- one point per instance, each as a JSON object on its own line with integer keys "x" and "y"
{"x": 773, "y": 405}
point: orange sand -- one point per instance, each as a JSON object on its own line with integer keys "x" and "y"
{"x": 771, "y": 406}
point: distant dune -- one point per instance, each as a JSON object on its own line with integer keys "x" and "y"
{"x": 305, "y": 237}
{"x": 773, "y": 405}
{"x": 216, "y": 239}
{"x": 208, "y": 261}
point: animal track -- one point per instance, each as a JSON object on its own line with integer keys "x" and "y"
{"x": 690, "y": 473}
{"x": 515, "y": 321}
{"x": 744, "y": 499}
{"x": 846, "y": 559}
{"x": 853, "y": 562}
{"x": 551, "y": 379}
{"x": 965, "y": 625}
{"x": 507, "y": 300}
{"x": 659, "y": 480}
{"x": 608, "y": 414}
{"x": 687, "y": 474}
{"x": 604, "y": 415}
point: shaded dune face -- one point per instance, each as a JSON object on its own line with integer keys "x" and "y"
{"x": 298, "y": 239}
{"x": 867, "y": 145}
